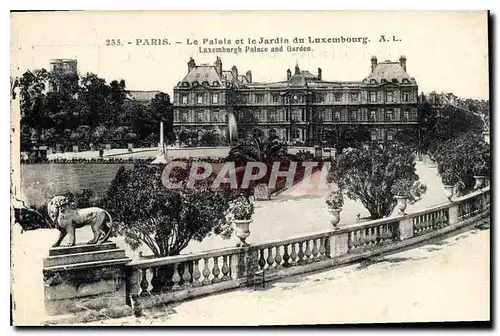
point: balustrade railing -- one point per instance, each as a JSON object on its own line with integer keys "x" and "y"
{"x": 212, "y": 271}
{"x": 291, "y": 252}
{"x": 367, "y": 237}
{"x": 430, "y": 221}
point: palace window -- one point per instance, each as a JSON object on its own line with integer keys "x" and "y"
{"x": 390, "y": 135}
{"x": 295, "y": 133}
{"x": 414, "y": 116}
{"x": 242, "y": 133}
{"x": 272, "y": 132}
{"x": 276, "y": 98}
{"x": 336, "y": 115}
{"x": 373, "y": 115}
{"x": 389, "y": 115}
{"x": 184, "y": 99}
{"x": 343, "y": 116}
{"x": 272, "y": 116}
{"x": 338, "y": 97}
{"x": 321, "y": 98}
{"x": 259, "y": 98}
{"x": 199, "y": 116}
{"x": 199, "y": 98}
{"x": 257, "y": 133}
{"x": 354, "y": 115}
{"x": 373, "y": 135}
{"x": 406, "y": 96}
{"x": 405, "y": 115}
{"x": 215, "y": 98}
{"x": 354, "y": 97}
{"x": 397, "y": 115}
{"x": 389, "y": 97}
{"x": 184, "y": 117}
{"x": 244, "y": 98}
{"x": 373, "y": 96}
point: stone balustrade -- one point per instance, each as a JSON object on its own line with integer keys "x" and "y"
{"x": 156, "y": 281}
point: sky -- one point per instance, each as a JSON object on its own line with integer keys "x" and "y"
{"x": 445, "y": 51}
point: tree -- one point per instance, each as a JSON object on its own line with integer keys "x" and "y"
{"x": 462, "y": 158}
{"x": 368, "y": 175}
{"x": 441, "y": 122}
{"x": 165, "y": 220}
{"x": 162, "y": 110}
{"x": 210, "y": 139}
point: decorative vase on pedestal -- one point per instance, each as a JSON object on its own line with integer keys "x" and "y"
{"x": 479, "y": 182}
{"x": 448, "y": 191}
{"x": 242, "y": 230}
{"x": 336, "y": 217}
{"x": 401, "y": 205}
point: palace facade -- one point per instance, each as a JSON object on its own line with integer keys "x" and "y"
{"x": 298, "y": 109}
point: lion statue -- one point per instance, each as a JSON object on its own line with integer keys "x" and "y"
{"x": 67, "y": 219}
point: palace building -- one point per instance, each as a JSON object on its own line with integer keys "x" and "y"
{"x": 298, "y": 109}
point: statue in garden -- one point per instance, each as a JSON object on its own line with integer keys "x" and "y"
{"x": 67, "y": 219}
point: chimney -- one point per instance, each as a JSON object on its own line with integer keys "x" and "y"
{"x": 249, "y": 76}
{"x": 218, "y": 66}
{"x": 191, "y": 64}
{"x": 374, "y": 63}
{"x": 234, "y": 70}
{"x": 402, "y": 61}
{"x": 320, "y": 74}
{"x": 288, "y": 74}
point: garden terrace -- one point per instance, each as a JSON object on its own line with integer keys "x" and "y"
{"x": 218, "y": 270}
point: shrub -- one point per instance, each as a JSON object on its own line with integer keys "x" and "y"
{"x": 368, "y": 174}
{"x": 335, "y": 200}
{"x": 242, "y": 209}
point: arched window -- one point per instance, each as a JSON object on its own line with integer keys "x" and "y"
{"x": 373, "y": 81}
{"x": 215, "y": 83}
{"x": 395, "y": 81}
{"x": 195, "y": 83}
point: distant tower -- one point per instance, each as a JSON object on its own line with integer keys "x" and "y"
{"x": 64, "y": 75}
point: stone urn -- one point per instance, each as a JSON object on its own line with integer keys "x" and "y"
{"x": 242, "y": 230}
{"x": 448, "y": 192}
{"x": 335, "y": 216}
{"x": 402, "y": 203}
{"x": 479, "y": 181}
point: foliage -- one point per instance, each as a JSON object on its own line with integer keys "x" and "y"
{"x": 443, "y": 120}
{"x": 269, "y": 150}
{"x": 165, "y": 220}
{"x": 242, "y": 208}
{"x": 368, "y": 174}
{"x": 412, "y": 190}
{"x": 342, "y": 136}
{"x": 463, "y": 157}
{"x": 335, "y": 200}
{"x": 87, "y": 109}
{"x": 305, "y": 156}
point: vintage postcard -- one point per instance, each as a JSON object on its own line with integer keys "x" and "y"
{"x": 238, "y": 168}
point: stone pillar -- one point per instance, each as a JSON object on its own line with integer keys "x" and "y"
{"x": 405, "y": 228}
{"x": 88, "y": 281}
{"x": 453, "y": 214}
{"x": 338, "y": 244}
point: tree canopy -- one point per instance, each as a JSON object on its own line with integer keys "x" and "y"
{"x": 92, "y": 111}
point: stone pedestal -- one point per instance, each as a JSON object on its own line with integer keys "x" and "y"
{"x": 86, "y": 279}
